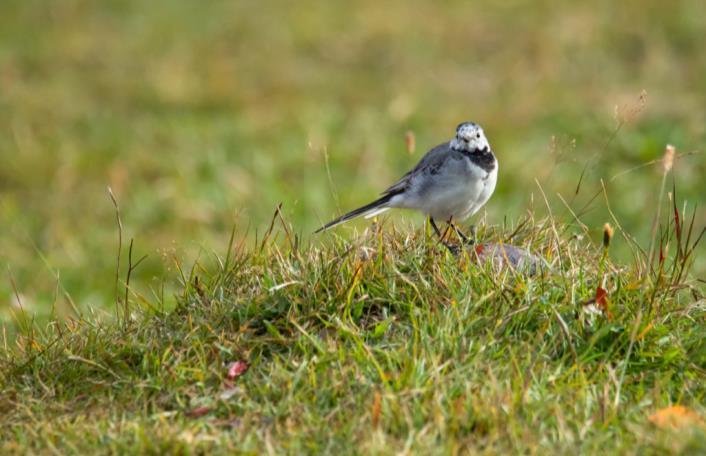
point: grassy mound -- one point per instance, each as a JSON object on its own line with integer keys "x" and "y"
{"x": 384, "y": 343}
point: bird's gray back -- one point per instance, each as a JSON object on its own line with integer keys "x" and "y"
{"x": 430, "y": 163}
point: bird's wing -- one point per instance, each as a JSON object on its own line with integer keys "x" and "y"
{"x": 434, "y": 158}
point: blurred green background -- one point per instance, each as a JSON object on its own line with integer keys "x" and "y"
{"x": 202, "y": 115}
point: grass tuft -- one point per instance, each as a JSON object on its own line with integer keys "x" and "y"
{"x": 385, "y": 341}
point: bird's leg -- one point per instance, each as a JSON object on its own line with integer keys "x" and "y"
{"x": 450, "y": 224}
{"x": 465, "y": 239}
{"x": 436, "y": 228}
{"x": 474, "y": 234}
{"x": 451, "y": 248}
{"x": 441, "y": 235}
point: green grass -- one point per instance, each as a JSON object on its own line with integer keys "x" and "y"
{"x": 202, "y": 117}
{"x": 381, "y": 344}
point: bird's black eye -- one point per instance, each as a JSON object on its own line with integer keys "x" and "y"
{"x": 478, "y": 135}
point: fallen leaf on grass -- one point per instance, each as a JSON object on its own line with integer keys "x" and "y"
{"x": 376, "y": 409}
{"x": 599, "y": 304}
{"x": 197, "y": 412}
{"x": 602, "y": 301}
{"x": 237, "y": 369}
{"x": 675, "y": 417}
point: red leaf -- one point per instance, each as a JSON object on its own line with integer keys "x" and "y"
{"x": 602, "y": 301}
{"x": 198, "y": 412}
{"x": 661, "y": 253}
{"x": 237, "y": 369}
{"x": 677, "y": 224}
{"x": 601, "y": 294}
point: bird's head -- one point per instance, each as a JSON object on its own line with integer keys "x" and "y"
{"x": 470, "y": 138}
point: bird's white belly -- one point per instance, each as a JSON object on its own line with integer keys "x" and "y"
{"x": 454, "y": 192}
{"x": 455, "y": 202}
{"x": 461, "y": 201}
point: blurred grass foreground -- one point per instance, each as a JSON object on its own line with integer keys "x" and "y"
{"x": 202, "y": 116}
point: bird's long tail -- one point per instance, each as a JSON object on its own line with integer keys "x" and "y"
{"x": 369, "y": 210}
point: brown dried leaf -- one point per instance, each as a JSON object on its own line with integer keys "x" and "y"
{"x": 410, "y": 142}
{"x": 602, "y": 301}
{"x": 197, "y": 412}
{"x": 376, "y": 409}
{"x": 675, "y": 417}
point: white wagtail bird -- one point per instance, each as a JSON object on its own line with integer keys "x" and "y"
{"x": 450, "y": 183}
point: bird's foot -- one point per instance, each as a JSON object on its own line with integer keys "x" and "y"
{"x": 466, "y": 240}
{"x": 473, "y": 238}
{"x": 454, "y": 249}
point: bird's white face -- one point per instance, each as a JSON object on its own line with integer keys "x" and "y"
{"x": 470, "y": 137}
